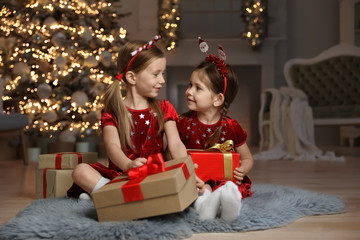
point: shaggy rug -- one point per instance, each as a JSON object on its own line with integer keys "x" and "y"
{"x": 270, "y": 206}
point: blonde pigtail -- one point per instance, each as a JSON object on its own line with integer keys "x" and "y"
{"x": 113, "y": 102}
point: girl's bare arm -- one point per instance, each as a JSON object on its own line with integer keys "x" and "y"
{"x": 175, "y": 145}
{"x": 114, "y": 151}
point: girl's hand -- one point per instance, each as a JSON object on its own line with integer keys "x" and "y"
{"x": 138, "y": 162}
{"x": 201, "y": 185}
{"x": 239, "y": 175}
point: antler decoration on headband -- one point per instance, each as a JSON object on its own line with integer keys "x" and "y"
{"x": 218, "y": 61}
{"x": 135, "y": 53}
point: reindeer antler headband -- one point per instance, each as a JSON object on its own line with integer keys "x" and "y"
{"x": 135, "y": 53}
{"x": 218, "y": 61}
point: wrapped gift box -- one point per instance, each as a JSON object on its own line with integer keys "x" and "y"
{"x": 66, "y": 160}
{"x": 169, "y": 191}
{"x": 215, "y": 165}
{"x": 52, "y": 182}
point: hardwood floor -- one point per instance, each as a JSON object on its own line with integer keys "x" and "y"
{"x": 17, "y": 190}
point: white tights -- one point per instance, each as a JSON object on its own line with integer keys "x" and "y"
{"x": 99, "y": 184}
{"x": 226, "y": 199}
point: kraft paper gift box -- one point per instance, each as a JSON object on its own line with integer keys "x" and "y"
{"x": 66, "y": 160}
{"x": 215, "y": 165}
{"x": 52, "y": 182}
{"x": 172, "y": 190}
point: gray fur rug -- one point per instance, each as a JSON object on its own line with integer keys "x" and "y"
{"x": 270, "y": 206}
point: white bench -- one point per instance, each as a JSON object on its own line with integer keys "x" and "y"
{"x": 331, "y": 82}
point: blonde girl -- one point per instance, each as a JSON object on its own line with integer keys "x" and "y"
{"x": 133, "y": 125}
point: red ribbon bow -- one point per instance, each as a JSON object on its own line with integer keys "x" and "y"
{"x": 155, "y": 164}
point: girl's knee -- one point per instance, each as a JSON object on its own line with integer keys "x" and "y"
{"x": 80, "y": 171}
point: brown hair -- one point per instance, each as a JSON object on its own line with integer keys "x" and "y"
{"x": 216, "y": 84}
{"x": 113, "y": 97}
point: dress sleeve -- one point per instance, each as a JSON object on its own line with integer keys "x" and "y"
{"x": 239, "y": 134}
{"x": 107, "y": 119}
{"x": 170, "y": 113}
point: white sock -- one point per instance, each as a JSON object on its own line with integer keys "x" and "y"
{"x": 84, "y": 196}
{"x": 230, "y": 200}
{"x": 100, "y": 184}
{"x": 208, "y": 204}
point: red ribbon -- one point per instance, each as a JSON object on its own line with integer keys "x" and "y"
{"x": 44, "y": 182}
{"x": 58, "y": 158}
{"x": 132, "y": 190}
{"x": 155, "y": 164}
{"x": 184, "y": 169}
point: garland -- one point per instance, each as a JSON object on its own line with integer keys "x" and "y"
{"x": 169, "y": 23}
{"x": 254, "y": 16}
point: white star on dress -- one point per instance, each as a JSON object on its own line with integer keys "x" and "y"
{"x": 197, "y": 142}
{"x": 222, "y": 139}
{"x": 141, "y": 116}
{"x": 188, "y": 127}
{"x": 224, "y": 133}
{"x": 209, "y": 129}
{"x": 147, "y": 122}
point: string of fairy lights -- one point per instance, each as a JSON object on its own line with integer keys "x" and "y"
{"x": 169, "y": 23}
{"x": 42, "y": 53}
{"x": 253, "y": 15}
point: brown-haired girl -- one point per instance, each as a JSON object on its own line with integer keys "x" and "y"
{"x": 133, "y": 125}
{"x": 213, "y": 86}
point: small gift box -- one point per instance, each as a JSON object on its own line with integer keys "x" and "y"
{"x": 52, "y": 182}
{"x": 66, "y": 160}
{"x": 148, "y": 191}
{"x": 217, "y": 162}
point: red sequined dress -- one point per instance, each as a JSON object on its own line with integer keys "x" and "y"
{"x": 194, "y": 135}
{"x": 144, "y": 136}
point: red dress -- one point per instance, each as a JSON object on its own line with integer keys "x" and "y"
{"x": 194, "y": 135}
{"x": 143, "y": 135}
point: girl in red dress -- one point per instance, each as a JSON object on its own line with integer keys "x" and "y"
{"x": 213, "y": 86}
{"x": 132, "y": 126}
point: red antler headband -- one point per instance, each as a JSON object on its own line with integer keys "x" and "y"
{"x": 135, "y": 53}
{"x": 218, "y": 61}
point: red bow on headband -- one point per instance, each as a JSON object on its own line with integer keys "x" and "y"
{"x": 218, "y": 61}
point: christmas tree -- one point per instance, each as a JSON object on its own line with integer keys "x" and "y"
{"x": 56, "y": 57}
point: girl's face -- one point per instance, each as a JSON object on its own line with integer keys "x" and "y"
{"x": 199, "y": 96}
{"x": 150, "y": 80}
